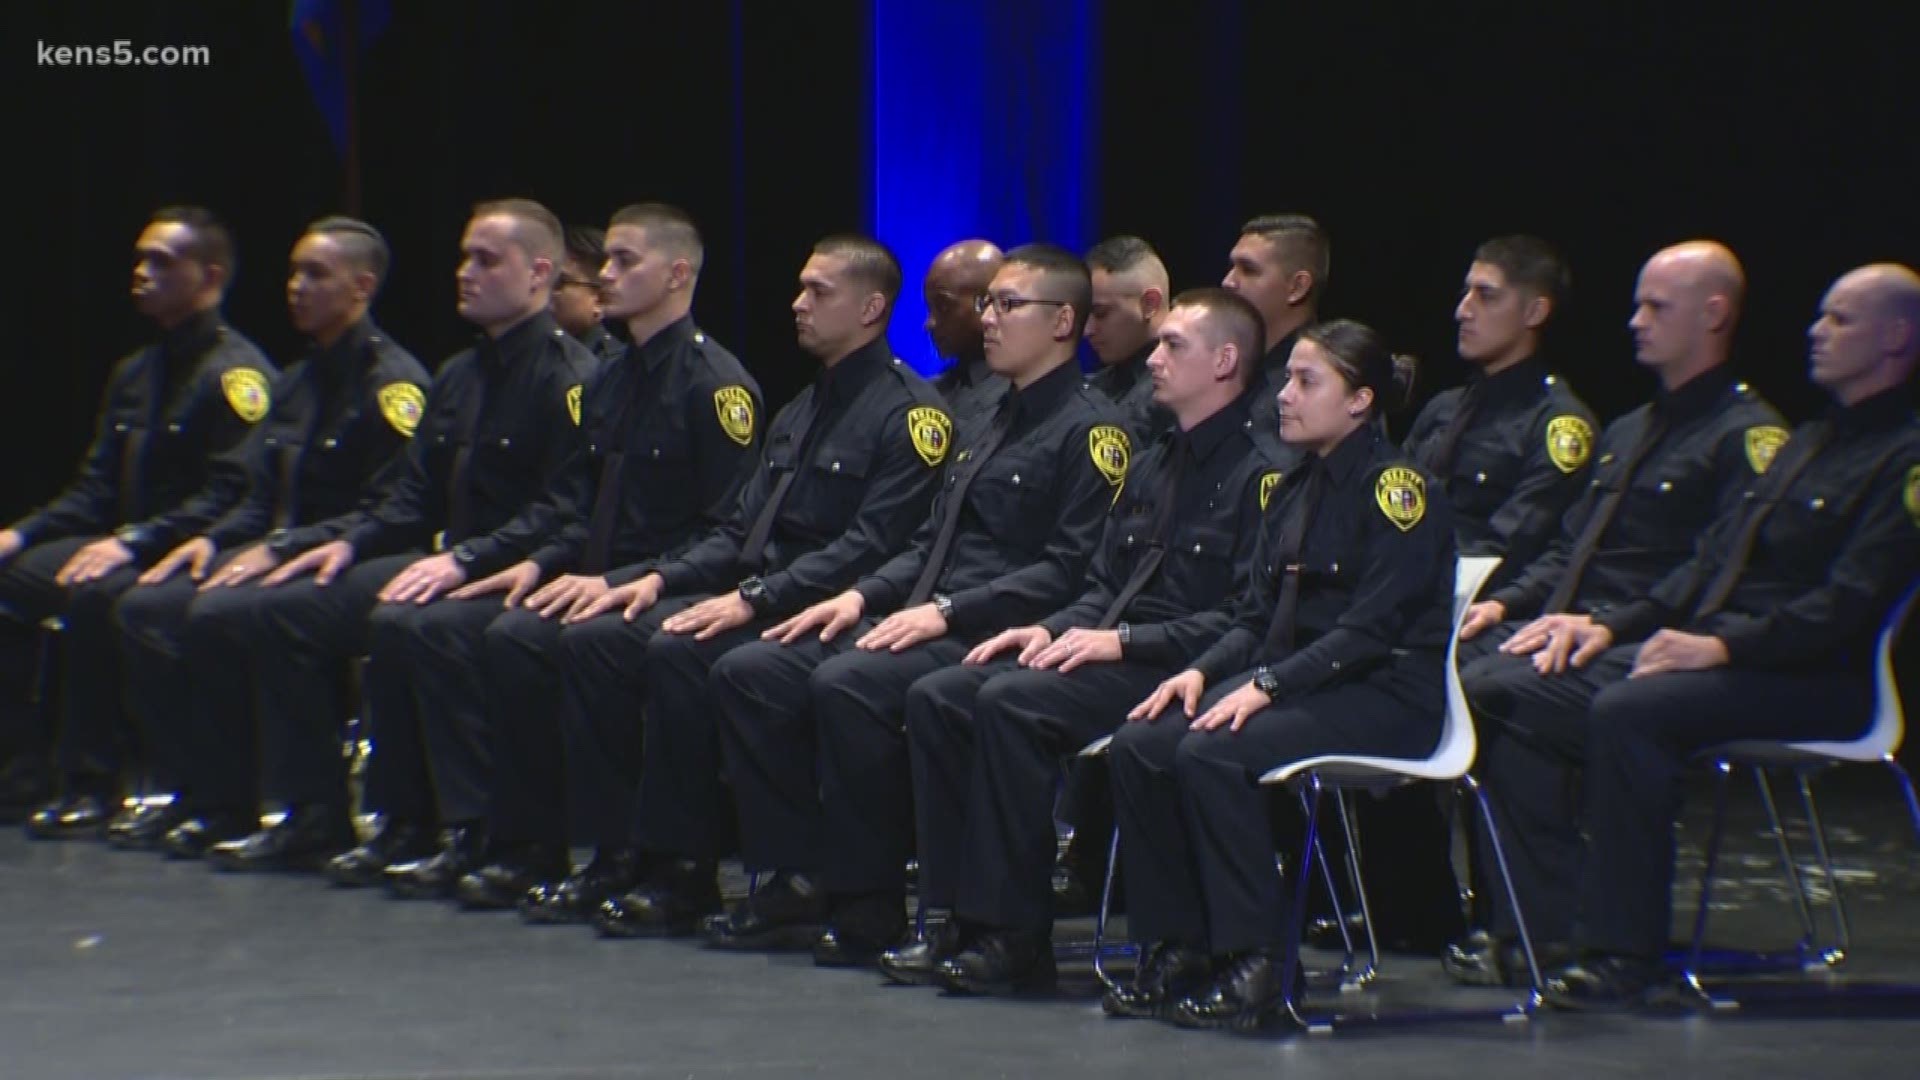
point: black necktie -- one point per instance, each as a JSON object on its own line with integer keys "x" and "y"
{"x": 1596, "y": 526}
{"x": 956, "y": 499}
{"x": 1293, "y": 538}
{"x": 1778, "y": 479}
{"x": 1439, "y": 460}
{"x": 1181, "y": 462}
{"x": 753, "y": 551}
{"x": 459, "y": 480}
{"x": 607, "y": 495}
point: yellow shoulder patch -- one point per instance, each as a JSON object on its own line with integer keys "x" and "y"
{"x": 1763, "y": 442}
{"x": 1268, "y": 481}
{"x": 1111, "y": 451}
{"x": 1569, "y": 442}
{"x": 932, "y": 433}
{"x": 403, "y": 404}
{"x": 574, "y": 395}
{"x": 247, "y": 392}
{"x": 1912, "y": 495}
{"x": 1402, "y": 495}
{"x": 735, "y": 408}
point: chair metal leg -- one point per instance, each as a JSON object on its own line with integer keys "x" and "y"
{"x": 1356, "y": 981}
{"x": 1833, "y": 955}
{"x": 1100, "y": 918}
{"x": 1802, "y": 903}
{"x": 1697, "y": 947}
{"x": 1523, "y": 1009}
{"x": 1906, "y": 788}
{"x": 1317, "y": 856}
{"x": 1297, "y": 914}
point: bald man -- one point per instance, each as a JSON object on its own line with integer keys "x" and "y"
{"x": 959, "y": 274}
{"x": 1767, "y": 632}
{"x": 1663, "y": 473}
{"x": 1130, "y": 293}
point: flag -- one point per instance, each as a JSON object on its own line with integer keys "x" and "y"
{"x": 319, "y": 29}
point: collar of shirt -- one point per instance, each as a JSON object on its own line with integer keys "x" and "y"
{"x": 1042, "y": 394}
{"x": 969, "y": 370}
{"x": 1522, "y": 380}
{"x": 193, "y": 335}
{"x": 1217, "y": 430}
{"x": 1275, "y": 362}
{"x": 1128, "y": 373}
{"x": 1352, "y": 455}
{"x": 852, "y": 372}
{"x": 1888, "y": 408}
{"x": 1695, "y": 397}
{"x": 596, "y": 338}
{"x": 665, "y": 340}
{"x": 521, "y": 340}
{"x": 330, "y": 364}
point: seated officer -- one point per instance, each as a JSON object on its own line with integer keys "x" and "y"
{"x": 578, "y": 305}
{"x": 849, "y": 467}
{"x": 811, "y": 719}
{"x": 1129, "y": 301}
{"x": 339, "y": 418}
{"x": 1280, "y": 265}
{"x": 959, "y": 274}
{"x": 985, "y": 737}
{"x": 1771, "y": 630}
{"x": 171, "y": 413}
{"x": 1338, "y": 647}
{"x": 1661, "y": 475}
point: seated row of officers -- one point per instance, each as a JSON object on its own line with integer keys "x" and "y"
{"x": 606, "y": 602}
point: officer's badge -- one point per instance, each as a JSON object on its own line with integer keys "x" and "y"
{"x": 574, "y": 395}
{"x": 403, "y": 405}
{"x": 1763, "y": 442}
{"x": 1569, "y": 442}
{"x": 1268, "y": 481}
{"x": 247, "y": 392}
{"x": 1402, "y": 495}
{"x": 1912, "y": 497}
{"x": 735, "y": 407}
{"x": 932, "y": 433}
{"x": 1111, "y": 451}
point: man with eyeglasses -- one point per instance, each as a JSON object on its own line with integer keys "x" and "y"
{"x": 1130, "y": 293}
{"x": 954, "y": 282}
{"x": 812, "y": 718}
{"x": 577, "y": 301}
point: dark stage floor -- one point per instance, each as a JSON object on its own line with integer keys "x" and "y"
{"x": 120, "y": 965}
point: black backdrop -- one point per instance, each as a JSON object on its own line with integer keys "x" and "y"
{"x": 1412, "y": 131}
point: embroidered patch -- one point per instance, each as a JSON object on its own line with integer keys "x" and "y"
{"x": 1111, "y": 451}
{"x": 735, "y": 407}
{"x": 932, "y": 433}
{"x": 247, "y": 392}
{"x": 1402, "y": 495}
{"x": 403, "y": 405}
{"x": 1268, "y": 481}
{"x": 1569, "y": 442}
{"x": 574, "y": 394}
{"x": 1763, "y": 442}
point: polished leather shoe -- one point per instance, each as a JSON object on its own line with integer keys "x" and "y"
{"x": 191, "y": 838}
{"x": 1482, "y": 960}
{"x": 71, "y": 817}
{"x": 1603, "y": 984}
{"x": 500, "y": 885}
{"x": 460, "y": 849}
{"x": 915, "y": 962}
{"x": 576, "y": 898}
{"x": 676, "y": 899}
{"x": 1001, "y": 962}
{"x": 26, "y": 783}
{"x": 396, "y": 841}
{"x": 1245, "y": 994}
{"x": 860, "y": 928}
{"x": 139, "y": 827}
{"x": 302, "y": 840}
{"x": 1166, "y": 974}
{"x": 785, "y": 913}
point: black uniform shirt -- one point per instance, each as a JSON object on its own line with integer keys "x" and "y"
{"x": 970, "y": 387}
{"x": 1128, "y": 385}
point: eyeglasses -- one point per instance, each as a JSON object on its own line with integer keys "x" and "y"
{"x": 1009, "y": 304}
{"x": 590, "y": 286}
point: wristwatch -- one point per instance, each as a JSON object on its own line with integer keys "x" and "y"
{"x": 130, "y": 535}
{"x": 1126, "y": 634}
{"x": 1265, "y": 681}
{"x": 279, "y": 543}
{"x": 943, "y": 604}
{"x": 463, "y": 554}
{"x": 754, "y": 592}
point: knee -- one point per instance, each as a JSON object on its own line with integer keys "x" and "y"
{"x": 510, "y": 636}
{"x": 392, "y": 627}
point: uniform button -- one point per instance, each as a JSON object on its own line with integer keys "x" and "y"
{"x": 373, "y": 339}
{"x": 835, "y": 467}
{"x": 120, "y": 428}
{"x": 698, "y": 336}
{"x": 330, "y": 443}
{"x": 1817, "y": 503}
{"x": 273, "y": 442}
{"x": 1479, "y": 478}
{"x": 1129, "y": 539}
{"x": 656, "y": 453}
{"x": 1666, "y": 485}
{"x": 1196, "y": 549}
{"x": 173, "y": 429}
{"x": 1336, "y": 665}
{"x": 504, "y": 443}
{"x": 1548, "y": 381}
{"x": 593, "y": 448}
{"x": 1016, "y": 478}
{"x": 441, "y": 439}
{"x": 1209, "y": 504}
{"x": 1749, "y": 494}
{"x": 1334, "y": 569}
{"x": 1740, "y": 386}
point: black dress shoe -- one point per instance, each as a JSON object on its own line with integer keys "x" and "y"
{"x": 1482, "y": 960}
{"x": 26, "y": 783}
{"x": 576, "y": 898}
{"x": 1001, "y": 962}
{"x": 1245, "y": 994}
{"x": 460, "y": 849}
{"x": 500, "y": 885}
{"x": 915, "y": 962}
{"x": 1603, "y": 983}
{"x": 860, "y": 928}
{"x": 191, "y": 838}
{"x": 675, "y": 900}
{"x": 71, "y": 817}
{"x": 396, "y": 841}
{"x": 784, "y": 913}
{"x": 303, "y": 840}
{"x": 140, "y": 826}
{"x": 1166, "y": 974}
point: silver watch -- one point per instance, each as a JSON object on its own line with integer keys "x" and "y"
{"x": 943, "y": 604}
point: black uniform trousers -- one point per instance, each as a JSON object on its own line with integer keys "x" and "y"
{"x": 520, "y": 673}
{"x": 815, "y": 747}
{"x": 986, "y": 744}
{"x": 1195, "y": 834}
{"x": 90, "y": 734}
{"x": 303, "y": 637}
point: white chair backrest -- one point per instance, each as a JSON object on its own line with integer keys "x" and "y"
{"x": 1889, "y": 717}
{"x": 1454, "y": 755}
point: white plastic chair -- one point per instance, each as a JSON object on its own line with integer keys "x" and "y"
{"x": 1877, "y": 745}
{"x": 1449, "y": 762}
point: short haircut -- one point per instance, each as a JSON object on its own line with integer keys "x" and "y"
{"x": 668, "y": 228}
{"x": 587, "y": 245}
{"x": 536, "y": 229}
{"x": 1230, "y": 318}
{"x": 1066, "y": 277}
{"x": 1529, "y": 263}
{"x": 210, "y": 242}
{"x": 1118, "y": 254}
{"x": 362, "y": 244}
{"x": 1362, "y": 358}
{"x": 868, "y": 262}
{"x": 1300, "y": 243}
